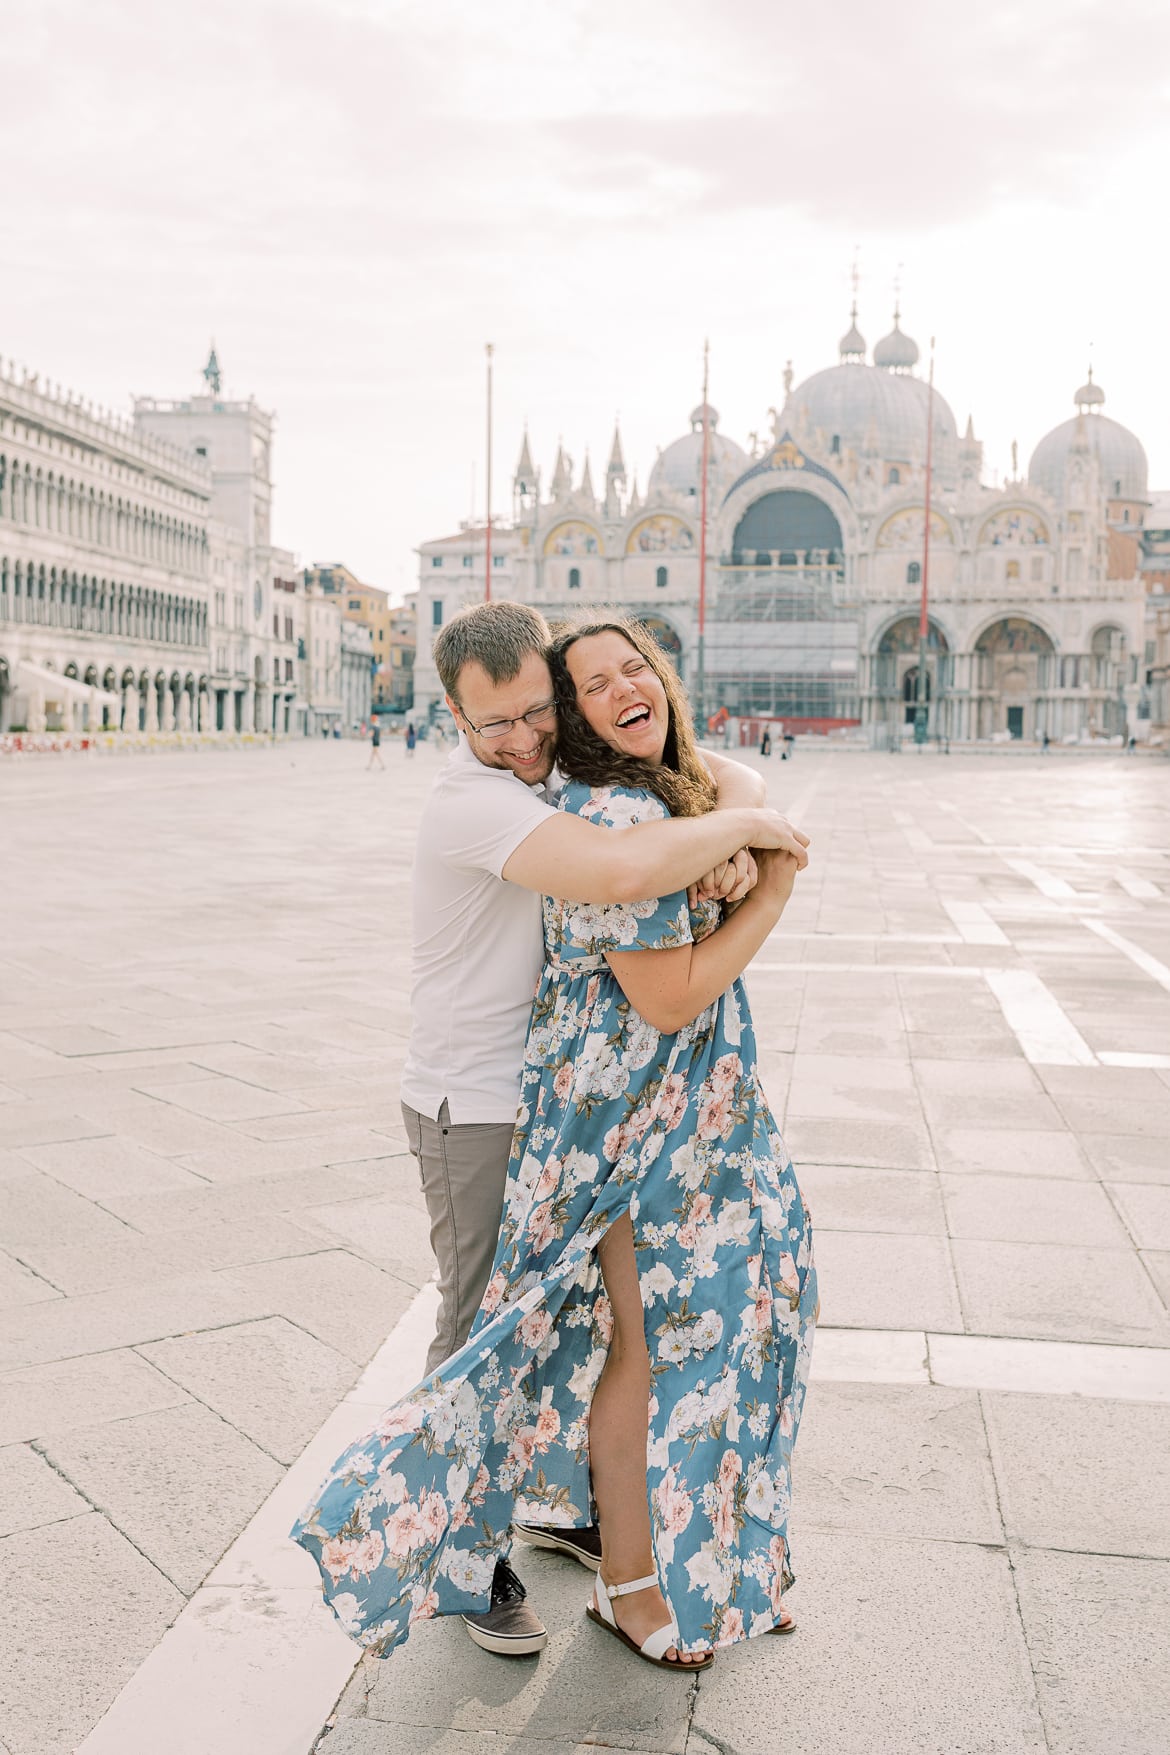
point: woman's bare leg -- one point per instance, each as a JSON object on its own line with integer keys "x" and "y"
{"x": 617, "y": 1444}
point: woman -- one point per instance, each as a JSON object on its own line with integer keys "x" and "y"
{"x": 644, "y": 1340}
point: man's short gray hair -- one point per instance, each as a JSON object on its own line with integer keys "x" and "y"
{"x": 498, "y": 636}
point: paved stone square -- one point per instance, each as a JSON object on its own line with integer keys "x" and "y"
{"x": 209, "y": 1223}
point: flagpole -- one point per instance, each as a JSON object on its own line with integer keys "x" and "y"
{"x": 700, "y": 671}
{"x": 487, "y": 564}
{"x": 921, "y": 707}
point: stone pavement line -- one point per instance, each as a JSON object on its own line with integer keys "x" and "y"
{"x": 1150, "y": 965}
{"x": 1041, "y": 1025}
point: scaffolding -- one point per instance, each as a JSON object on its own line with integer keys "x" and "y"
{"x": 782, "y": 639}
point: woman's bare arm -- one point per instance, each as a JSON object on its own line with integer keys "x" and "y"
{"x": 670, "y": 988}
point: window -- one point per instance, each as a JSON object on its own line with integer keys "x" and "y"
{"x": 574, "y": 578}
{"x": 288, "y": 633}
{"x": 498, "y": 560}
{"x": 1012, "y": 570}
{"x": 660, "y": 577}
{"x": 467, "y": 560}
{"x": 914, "y": 573}
{"x": 894, "y": 478}
{"x": 355, "y": 603}
{"x": 835, "y": 445}
{"x": 436, "y": 612}
{"x": 276, "y": 670}
{"x": 436, "y": 560}
{"x": 276, "y": 624}
{"x": 201, "y": 450}
{"x": 288, "y": 676}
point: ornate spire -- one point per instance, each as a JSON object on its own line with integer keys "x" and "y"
{"x": 853, "y": 343}
{"x": 586, "y": 488}
{"x": 524, "y": 469}
{"x": 616, "y": 467}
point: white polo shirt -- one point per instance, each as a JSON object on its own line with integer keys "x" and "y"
{"x": 478, "y": 944}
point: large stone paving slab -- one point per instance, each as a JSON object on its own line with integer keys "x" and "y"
{"x": 1055, "y": 1292}
{"x": 269, "y": 1379}
{"x": 80, "y": 1608}
{"x": 178, "y": 1483}
{"x": 1096, "y": 1629}
{"x": 901, "y": 1647}
{"x": 1083, "y": 1473}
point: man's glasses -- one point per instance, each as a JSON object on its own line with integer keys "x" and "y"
{"x": 501, "y": 727}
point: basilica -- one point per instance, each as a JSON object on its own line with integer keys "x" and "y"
{"x": 1039, "y": 590}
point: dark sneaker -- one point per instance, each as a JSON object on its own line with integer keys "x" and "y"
{"x": 509, "y": 1627}
{"x": 582, "y": 1545}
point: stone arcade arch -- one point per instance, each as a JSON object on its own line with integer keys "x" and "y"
{"x": 893, "y": 677}
{"x": 1013, "y": 672}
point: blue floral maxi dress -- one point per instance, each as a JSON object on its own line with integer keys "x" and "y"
{"x": 614, "y": 1117}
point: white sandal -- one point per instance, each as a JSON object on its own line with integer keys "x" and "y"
{"x": 653, "y": 1649}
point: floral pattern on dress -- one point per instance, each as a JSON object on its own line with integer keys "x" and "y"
{"x": 614, "y": 1117}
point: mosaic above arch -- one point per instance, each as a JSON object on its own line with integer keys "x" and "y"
{"x": 660, "y": 534}
{"x": 902, "y": 636}
{"x": 1014, "y": 525}
{"x": 1013, "y": 634}
{"x": 905, "y": 529}
{"x": 572, "y": 538}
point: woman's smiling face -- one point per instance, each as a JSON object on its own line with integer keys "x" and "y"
{"x": 619, "y": 695}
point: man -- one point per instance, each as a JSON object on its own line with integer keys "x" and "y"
{"x": 376, "y": 748}
{"x": 490, "y": 844}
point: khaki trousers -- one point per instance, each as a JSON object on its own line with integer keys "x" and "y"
{"x": 463, "y": 1171}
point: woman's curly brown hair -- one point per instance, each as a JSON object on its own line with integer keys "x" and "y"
{"x": 682, "y": 780}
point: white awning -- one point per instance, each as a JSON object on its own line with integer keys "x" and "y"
{"x": 52, "y": 684}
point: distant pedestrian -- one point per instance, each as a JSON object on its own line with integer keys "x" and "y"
{"x": 376, "y": 747}
{"x": 766, "y": 743}
{"x": 789, "y": 744}
{"x": 411, "y": 740}
{"x": 1131, "y": 745}
{"x": 1045, "y": 740}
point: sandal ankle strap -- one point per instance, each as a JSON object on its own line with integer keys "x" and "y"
{"x": 625, "y": 1590}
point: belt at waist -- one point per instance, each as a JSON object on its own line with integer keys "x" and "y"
{"x": 575, "y": 965}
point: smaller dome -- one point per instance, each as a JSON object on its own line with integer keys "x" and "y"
{"x": 1089, "y": 395}
{"x": 853, "y": 343}
{"x": 896, "y": 352}
{"x": 679, "y": 469}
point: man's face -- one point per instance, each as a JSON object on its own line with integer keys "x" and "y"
{"x": 525, "y": 750}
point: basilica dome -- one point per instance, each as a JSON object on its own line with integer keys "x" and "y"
{"x": 1121, "y": 456}
{"x": 872, "y": 410}
{"x": 679, "y": 469}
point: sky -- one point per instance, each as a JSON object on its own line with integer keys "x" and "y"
{"x": 354, "y": 196}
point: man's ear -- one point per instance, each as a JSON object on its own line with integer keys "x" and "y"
{"x": 456, "y": 714}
